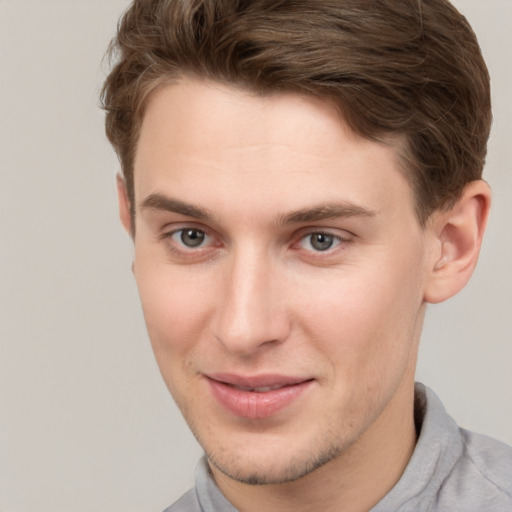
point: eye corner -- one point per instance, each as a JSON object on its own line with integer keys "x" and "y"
{"x": 188, "y": 243}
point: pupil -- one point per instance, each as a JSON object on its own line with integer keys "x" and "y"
{"x": 192, "y": 237}
{"x": 321, "y": 241}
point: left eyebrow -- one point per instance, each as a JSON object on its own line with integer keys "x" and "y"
{"x": 325, "y": 211}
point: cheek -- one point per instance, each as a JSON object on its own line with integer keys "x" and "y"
{"x": 176, "y": 307}
{"x": 365, "y": 320}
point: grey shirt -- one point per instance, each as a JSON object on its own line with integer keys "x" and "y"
{"x": 451, "y": 470}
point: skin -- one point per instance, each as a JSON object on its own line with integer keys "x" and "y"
{"x": 255, "y": 177}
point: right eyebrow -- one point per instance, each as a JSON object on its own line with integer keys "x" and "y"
{"x": 168, "y": 204}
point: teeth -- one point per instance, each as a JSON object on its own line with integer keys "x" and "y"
{"x": 262, "y": 389}
{"x": 242, "y": 388}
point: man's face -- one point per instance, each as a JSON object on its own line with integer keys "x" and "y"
{"x": 281, "y": 271}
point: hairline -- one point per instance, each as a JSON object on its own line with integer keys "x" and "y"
{"x": 396, "y": 140}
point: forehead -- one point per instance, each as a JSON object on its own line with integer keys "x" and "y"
{"x": 208, "y": 141}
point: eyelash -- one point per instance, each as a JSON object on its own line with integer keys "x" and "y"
{"x": 178, "y": 246}
{"x": 180, "y": 251}
{"x": 333, "y": 239}
{"x": 202, "y": 235}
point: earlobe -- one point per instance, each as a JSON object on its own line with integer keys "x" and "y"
{"x": 458, "y": 236}
{"x": 124, "y": 205}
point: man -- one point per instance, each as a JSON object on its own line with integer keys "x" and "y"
{"x": 300, "y": 179}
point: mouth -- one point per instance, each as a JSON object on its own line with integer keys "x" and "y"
{"x": 262, "y": 389}
{"x": 258, "y": 396}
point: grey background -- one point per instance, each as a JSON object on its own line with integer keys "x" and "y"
{"x": 85, "y": 422}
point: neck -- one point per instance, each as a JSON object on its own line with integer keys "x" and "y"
{"x": 355, "y": 481}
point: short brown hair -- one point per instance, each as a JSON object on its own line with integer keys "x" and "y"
{"x": 405, "y": 67}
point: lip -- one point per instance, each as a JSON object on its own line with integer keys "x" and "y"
{"x": 258, "y": 396}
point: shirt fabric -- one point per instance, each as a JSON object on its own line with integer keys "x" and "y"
{"x": 451, "y": 470}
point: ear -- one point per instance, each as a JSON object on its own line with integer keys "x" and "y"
{"x": 124, "y": 205}
{"x": 457, "y": 236}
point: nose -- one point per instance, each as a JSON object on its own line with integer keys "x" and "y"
{"x": 251, "y": 312}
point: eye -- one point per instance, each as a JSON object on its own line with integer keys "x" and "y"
{"x": 319, "y": 242}
{"x": 191, "y": 238}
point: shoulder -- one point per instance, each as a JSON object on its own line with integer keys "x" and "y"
{"x": 451, "y": 469}
{"x": 490, "y": 460}
{"x": 481, "y": 478}
{"x": 187, "y": 503}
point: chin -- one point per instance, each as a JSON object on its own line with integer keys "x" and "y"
{"x": 269, "y": 467}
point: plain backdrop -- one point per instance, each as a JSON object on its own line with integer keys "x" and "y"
{"x": 85, "y": 422}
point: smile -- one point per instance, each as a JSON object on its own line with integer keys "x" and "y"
{"x": 256, "y": 397}
{"x": 262, "y": 389}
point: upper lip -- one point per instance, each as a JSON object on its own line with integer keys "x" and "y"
{"x": 271, "y": 381}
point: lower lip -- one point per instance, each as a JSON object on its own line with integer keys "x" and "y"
{"x": 254, "y": 405}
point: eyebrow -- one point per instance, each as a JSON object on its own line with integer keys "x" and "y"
{"x": 311, "y": 214}
{"x": 161, "y": 202}
{"x": 326, "y": 211}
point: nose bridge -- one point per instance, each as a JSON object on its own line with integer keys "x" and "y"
{"x": 249, "y": 312}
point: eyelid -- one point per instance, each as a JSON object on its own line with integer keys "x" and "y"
{"x": 343, "y": 237}
{"x": 170, "y": 230}
{"x": 213, "y": 241}
{"x": 336, "y": 241}
{"x": 179, "y": 253}
{"x": 174, "y": 227}
{"x": 341, "y": 234}
{"x": 176, "y": 239}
